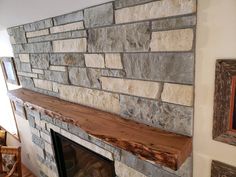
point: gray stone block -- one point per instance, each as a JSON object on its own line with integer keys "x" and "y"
{"x": 38, "y": 25}
{"x": 170, "y": 117}
{"x": 78, "y": 131}
{"x": 42, "y": 174}
{"x": 123, "y": 38}
{"x": 64, "y": 35}
{"x": 167, "y": 67}
{"x": 18, "y": 34}
{"x": 101, "y": 15}
{"x": 57, "y": 76}
{"x": 25, "y": 67}
{"x": 31, "y": 121}
{"x": 86, "y": 77}
{"x": 127, "y": 3}
{"x": 42, "y": 47}
{"x": 68, "y": 18}
{"x": 26, "y": 82}
{"x": 113, "y": 73}
{"x": 144, "y": 167}
{"x": 38, "y": 141}
{"x": 174, "y": 23}
{"x": 39, "y": 61}
{"x": 70, "y": 59}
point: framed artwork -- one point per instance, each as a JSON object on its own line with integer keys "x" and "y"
{"x": 9, "y": 70}
{"x": 219, "y": 169}
{"x": 224, "y": 120}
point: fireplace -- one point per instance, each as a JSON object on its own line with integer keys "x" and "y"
{"x": 73, "y": 160}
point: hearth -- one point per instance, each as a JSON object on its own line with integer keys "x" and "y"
{"x": 73, "y": 160}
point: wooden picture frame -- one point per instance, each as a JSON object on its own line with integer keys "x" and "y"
{"x": 9, "y": 70}
{"x": 224, "y": 101}
{"x": 219, "y": 169}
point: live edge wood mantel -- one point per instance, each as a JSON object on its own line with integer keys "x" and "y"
{"x": 152, "y": 144}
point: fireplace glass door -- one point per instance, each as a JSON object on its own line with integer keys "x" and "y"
{"x": 74, "y": 160}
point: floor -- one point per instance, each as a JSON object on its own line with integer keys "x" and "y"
{"x": 26, "y": 172}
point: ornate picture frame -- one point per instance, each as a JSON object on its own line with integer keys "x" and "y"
{"x": 224, "y": 102}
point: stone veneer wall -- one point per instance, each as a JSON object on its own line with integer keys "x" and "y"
{"x": 132, "y": 58}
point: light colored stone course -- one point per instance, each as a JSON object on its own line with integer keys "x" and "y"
{"x": 67, "y": 27}
{"x": 37, "y": 33}
{"x": 123, "y": 170}
{"x": 38, "y": 71}
{"x": 46, "y": 137}
{"x": 94, "y": 60}
{"x": 178, "y": 94}
{"x": 157, "y": 9}
{"x": 113, "y": 61}
{"x": 58, "y": 68}
{"x": 93, "y": 98}
{"x": 27, "y": 74}
{"x": 174, "y": 40}
{"x": 43, "y": 84}
{"x": 70, "y": 45}
{"x": 24, "y": 58}
{"x": 133, "y": 87}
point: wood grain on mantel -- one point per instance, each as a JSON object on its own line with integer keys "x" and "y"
{"x": 152, "y": 144}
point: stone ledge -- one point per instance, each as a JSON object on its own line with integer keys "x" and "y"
{"x": 152, "y": 144}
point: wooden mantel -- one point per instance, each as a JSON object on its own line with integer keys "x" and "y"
{"x": 152, "y": 144}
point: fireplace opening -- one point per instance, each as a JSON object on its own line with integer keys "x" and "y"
{"x": 74, "y": 160}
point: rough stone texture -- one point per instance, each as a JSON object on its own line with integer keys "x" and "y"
{"x": 24, "y": 58}
{"x": 58, "y": 68}
{"x": 113, "y": 73}
{"x": 123, "y": 170}
{"x": 26, "y": 82}
{"x": 67, "y": 59}
{"x": 18, "y": 34}
{"x": 42, "y": 47}
{"x": 167, "y": 67}
{"x": 94, "y": 60}
{"x": 122, "y": 38}
{"x": 157, "y": 9}
{"x": 38, "y": 71}
{"x": 43, "y": 84}
{"x": 67, "y": 27}
{"x": 126, "y": 3}
{"x": 27, "y": 74}
{"x": 38, "y": 25}
{"x": 86, "y": 77}
{"x": 58, "y": 36}
{"x": 178, "y": 94}
{"x": 39, "y": 61}
{"x": 173, "y": 118}
{"x": 57, "y": 76}
{"x": 70, "y": 45}
{"x": 68, "y": 18}
{"x": 113, "y": 61}
{"x": 93, "y": 98}
{"x": 174, "y": 23}
{"x": 99, "y": 15}
{"x": 174, "y": 40}
{"x": 37, "y": 33}
{"x": 132, "y": 87}
{"x": 38, "y": 141}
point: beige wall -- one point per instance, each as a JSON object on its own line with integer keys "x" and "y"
{"x": 28, "y": 153}
{"x": 216, "y": 39}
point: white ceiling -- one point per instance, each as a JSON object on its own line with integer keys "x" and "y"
{"x": 17, "y": 12}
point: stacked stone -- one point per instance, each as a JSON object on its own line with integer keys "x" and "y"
{"x": 132, "y": 58}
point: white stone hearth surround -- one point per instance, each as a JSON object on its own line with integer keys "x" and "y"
{"x": 126, "y": 164}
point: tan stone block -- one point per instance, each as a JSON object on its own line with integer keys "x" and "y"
{"x": 132, "y": 87}
{"x": 113, "y": 61}
{"x": 58, "y": 68}
{"x": 174, "y": 40}
{"x": 70, "y": 45}
{"x": 123, "y": 170}
{"x": 178, "y": 94}
{"x": 92, "y": 98}
{"x": 46, "y": 137}
{"x": 53, "y": 127}
{"x": 24, "y": 58}
{"x": 67, "y": 27}
{"x": 94, "y": 60}
{"x": 43, "y": 84}
{"x": 38, "y": 71}
{"x": 37, "y": 33}
{"x": 157, "y": 9}
{"x": 27, "y": 74}
{"x": 48, "y": 148}
{"x": 55, "y": 87}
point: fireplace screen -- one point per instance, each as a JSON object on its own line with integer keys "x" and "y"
{"x": 73, "y": 160}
